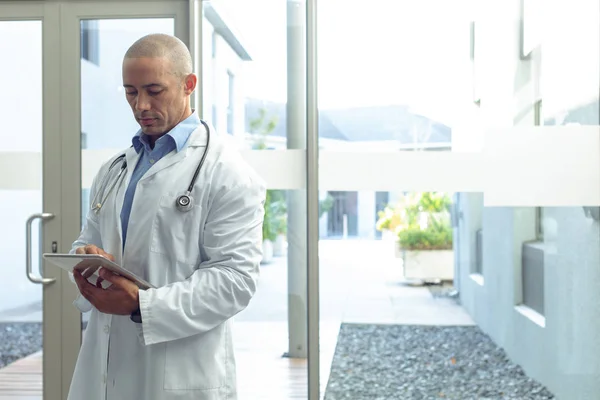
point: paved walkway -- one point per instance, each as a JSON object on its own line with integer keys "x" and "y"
{"x": 361, "y": 282}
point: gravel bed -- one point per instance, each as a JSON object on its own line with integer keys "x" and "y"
{"x": 18, "y": 340}
{"x": 378, "y": 362}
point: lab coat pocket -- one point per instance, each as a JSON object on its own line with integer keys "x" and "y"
{"x": 175, "y": 233}
{"x": 197, "y": 362}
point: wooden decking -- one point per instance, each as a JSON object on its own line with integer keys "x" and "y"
{"x": 263, "y": 374}
{"x": 22, "y": 380}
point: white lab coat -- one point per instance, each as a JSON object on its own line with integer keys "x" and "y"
{"x": 204, "y": 263}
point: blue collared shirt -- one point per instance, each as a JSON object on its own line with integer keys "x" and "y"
{"x": 173, "y": 140}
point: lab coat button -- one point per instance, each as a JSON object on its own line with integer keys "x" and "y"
{"x": 106, "y": 329}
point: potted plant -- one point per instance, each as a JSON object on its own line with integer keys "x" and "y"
{"x": 278, "y": 210}
{"x": 269, "y": 231}
{"x": 394, "y": 217}
{"x": 388, "y": 222}
{"x": 275, "y": 219}
{"x": 425, "y": 237}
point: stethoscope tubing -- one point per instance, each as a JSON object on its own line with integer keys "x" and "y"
{"x": 183, "y": 203}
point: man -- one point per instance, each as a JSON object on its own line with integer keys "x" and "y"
{"x": 173, "y": 341}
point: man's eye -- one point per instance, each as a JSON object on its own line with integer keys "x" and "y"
{"x": 130, "y": 93}
{"x": 154, "y": 93}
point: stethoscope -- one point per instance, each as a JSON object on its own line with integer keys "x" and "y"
{"x": 183, "y": 203}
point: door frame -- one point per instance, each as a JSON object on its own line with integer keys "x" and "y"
{"x": 56, "y": 345}
{"x": 61, "y": 156}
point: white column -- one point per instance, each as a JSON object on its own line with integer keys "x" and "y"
{"x": 297, "y": 207}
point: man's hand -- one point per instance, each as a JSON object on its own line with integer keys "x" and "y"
{"x": 120, "y": 298}
{"x": 91, "y": 249}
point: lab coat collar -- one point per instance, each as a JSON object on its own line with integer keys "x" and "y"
{"x": 178, "y": 136}
{"x": 199, "y": 136}
{"x": 197, "y": 139}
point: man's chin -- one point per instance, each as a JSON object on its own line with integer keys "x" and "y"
{"x": 151, "y": 130}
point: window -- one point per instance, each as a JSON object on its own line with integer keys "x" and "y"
{"x": 539, "y": 211}
{"x": 231, "y": 103}
{"x": 479, "y": 251}
{"x": 90, "y": 41}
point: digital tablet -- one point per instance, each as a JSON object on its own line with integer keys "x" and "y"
{"x": 89, "y": 264}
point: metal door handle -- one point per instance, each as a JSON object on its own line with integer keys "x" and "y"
{"x": 29, "y": 268}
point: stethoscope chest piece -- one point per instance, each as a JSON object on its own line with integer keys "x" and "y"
{"x": 184, "y": 203}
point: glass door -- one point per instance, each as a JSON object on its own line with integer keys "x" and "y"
{"x": 32, "y": 355}
{"x": 96, "y": 116}
{"x": 254, "y": 92}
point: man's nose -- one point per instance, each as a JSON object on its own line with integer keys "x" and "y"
{"x": 142, "y": 103}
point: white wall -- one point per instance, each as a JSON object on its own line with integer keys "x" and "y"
{"x": 560, "y": 352}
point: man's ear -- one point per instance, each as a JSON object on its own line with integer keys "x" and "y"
{"x": 189, "y": 83}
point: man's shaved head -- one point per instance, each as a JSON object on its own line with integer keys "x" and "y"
{"x": 159, "y": 45}
{"x": 158, "y": 81}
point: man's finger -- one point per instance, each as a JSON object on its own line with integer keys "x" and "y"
{"x": 106, "y": 255}
{"x": 82, "y": 284}
{"x": 89, "y": 249}
{"x": 113, "y": 278}
{"x": 81, "y": 281}
{"x": 92, "y": 293}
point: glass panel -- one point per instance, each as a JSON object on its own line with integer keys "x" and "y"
{"x": 20, "y": 196}
{"x": 255, "y": 90}
{"x": 416, "y": 317}
{"x": 107, "y": 122}
{"x": 383, "y": 89}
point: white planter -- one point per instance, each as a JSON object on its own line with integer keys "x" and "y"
{"x": 279, "y": 246}
{"x": 428, "y": 265}
{"x": 267, "y": 248}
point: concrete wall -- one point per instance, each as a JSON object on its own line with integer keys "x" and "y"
{"x": 215, "y": 76}
{"x": 560, "y": 348}
{"x": 366, "y": 214}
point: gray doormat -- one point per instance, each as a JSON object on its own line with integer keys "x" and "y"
{"x": 378, "y": 362}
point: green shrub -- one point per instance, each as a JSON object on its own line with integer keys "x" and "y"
{"x": 430, "y": 238}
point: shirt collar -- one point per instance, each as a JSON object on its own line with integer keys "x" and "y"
{"x": 178, "y": 136}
